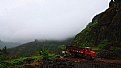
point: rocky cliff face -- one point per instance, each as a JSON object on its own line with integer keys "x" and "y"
{"x": 105, "y": 27}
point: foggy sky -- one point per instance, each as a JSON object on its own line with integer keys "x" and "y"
{"x": 25, "y": 20}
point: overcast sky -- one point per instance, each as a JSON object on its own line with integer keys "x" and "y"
{"x": 25, "y": 20}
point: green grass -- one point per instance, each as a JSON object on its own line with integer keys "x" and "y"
{"x": 53, "y": 55}
{"x": 35, "y": 57}
{"x": 96, "y": 48}
{"x": 16, "y": 63}
{"x": 21, "y": 59}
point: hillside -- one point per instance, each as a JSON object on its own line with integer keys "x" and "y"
{"x": 8, "y": 44}
{"x": 33, "y": 48}
{"x": 104, "y": 30}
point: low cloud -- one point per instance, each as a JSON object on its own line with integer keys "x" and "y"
{"x": 25, "y": 20}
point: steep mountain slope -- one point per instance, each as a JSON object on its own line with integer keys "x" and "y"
{"x": 105, "y": 28}
{"x": 32, "y": 48}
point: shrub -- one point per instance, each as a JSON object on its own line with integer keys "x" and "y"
{"x": 103, "y": 45}
{"x": 44, "y": 53}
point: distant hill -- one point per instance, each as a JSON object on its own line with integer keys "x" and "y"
{"x": 8, "y": 44}
{"x": 105, "y": 29}
{"x": 31, "y": 48}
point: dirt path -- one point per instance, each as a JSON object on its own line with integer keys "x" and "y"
{"x": 109, "y": 60}
{"x": 75, "y": 63}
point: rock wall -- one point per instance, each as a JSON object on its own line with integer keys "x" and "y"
{"x": 105, "y": 26}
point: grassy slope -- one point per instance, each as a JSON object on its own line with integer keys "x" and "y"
{"x": 104, "y": 30}
{"x": 32, "y": 48}
{"x": 17, "y": 62}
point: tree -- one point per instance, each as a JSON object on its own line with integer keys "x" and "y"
{"x": 44, "y": 53}
{"x": 0, "y": 52}
{"x": 4, "y": 50}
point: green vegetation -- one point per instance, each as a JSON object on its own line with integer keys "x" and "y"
{"x": 44, "y": 53}
{"x": 116, "y": 48}
{"x": 104, "y": 26}
{"x": 20, "y": 61}
{"x": 32, "y": 48}
{"x": 88, "y": 36}
{"x": 17, "y": 62}
{"x": 103, "y": 33}
{"x": 62, "y": 47}
{"x": 3, "y": 51}
{"x": 103, "y": 45}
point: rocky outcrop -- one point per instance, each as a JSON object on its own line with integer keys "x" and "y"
{"x": 105, "y": 27}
